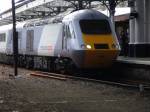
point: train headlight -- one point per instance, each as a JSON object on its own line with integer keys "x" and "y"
{"x": 88, "y": 46}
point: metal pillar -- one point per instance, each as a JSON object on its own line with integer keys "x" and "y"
{"x": 147, "y": 21}
{"x": 139, "y": 36}
{"x": 140, "y": 43}
{"x": 80, "y": 4}
{"x": 112, "y": 6}
{"x": 132, "y": 30}
{"x": 147, "y": 26}
{"x": 15, "y": 40}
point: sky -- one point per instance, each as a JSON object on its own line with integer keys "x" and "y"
{"x": 5, "y": 4}
{"x": 119, "y": 11}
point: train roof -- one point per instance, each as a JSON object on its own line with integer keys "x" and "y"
{"x": 68, "y": 16}
{"x": 86, "y": 13}
{"x": 10, "y": 26}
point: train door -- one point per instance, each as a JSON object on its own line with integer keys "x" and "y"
{"x": 30, "y": 40}
{"x": 66, "y": 37}
{"x": 64, "y": 40}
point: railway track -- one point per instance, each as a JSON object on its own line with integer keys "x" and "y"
{"x": 136, "y": 84}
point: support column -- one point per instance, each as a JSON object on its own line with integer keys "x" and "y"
{"x": 80, "y": 5}
{"x": 132, "y": 32}
{"x": 140, "y": 41}
{"x": 112, "y": 6}
{"x": 15, "y": 40}
{"x": 147, "y": 25}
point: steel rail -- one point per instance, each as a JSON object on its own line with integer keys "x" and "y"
{"x": 139, "y": 86}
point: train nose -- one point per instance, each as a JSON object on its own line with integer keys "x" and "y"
{"x": 94, "y": 58}
{"x": 99, "y": 59}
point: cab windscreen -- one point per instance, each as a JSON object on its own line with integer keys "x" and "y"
{"x": 95, "y": 26}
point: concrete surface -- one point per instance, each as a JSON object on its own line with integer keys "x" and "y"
{"x": 134, "y": 60}
{"x": 32, "y": 94}
{"x": 137, "y": 68}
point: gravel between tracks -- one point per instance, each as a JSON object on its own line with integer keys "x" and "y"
{"x": 26, "y": 93}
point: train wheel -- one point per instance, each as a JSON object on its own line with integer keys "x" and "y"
{"x": 30, "y": 62}
{"x": 70, "y": 67}
{"x": 52, "y": 65}
{"x": 58, "y": 65}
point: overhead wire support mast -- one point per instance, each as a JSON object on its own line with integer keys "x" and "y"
{"x": 15, "y": 40}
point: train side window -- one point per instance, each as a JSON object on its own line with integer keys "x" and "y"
{"x": 2, "y": 37}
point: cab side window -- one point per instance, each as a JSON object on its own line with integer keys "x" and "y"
{"x": 67, "y": 33}
{"x": 66, "y": 36}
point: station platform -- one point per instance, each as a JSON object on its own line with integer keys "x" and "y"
{"x": 137, "y": 68}
{"x": 134, "y": 60}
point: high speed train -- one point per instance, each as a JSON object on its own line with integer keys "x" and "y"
{"x": 85, "y": 39}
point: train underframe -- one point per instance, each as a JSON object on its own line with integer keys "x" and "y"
{"x": 44, "y": 63}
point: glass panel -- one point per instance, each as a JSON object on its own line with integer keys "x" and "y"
{"x": 95, "y": 26}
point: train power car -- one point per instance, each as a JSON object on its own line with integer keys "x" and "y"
{"x": 85, "y": 39}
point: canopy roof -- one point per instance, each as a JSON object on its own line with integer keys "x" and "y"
{"x": 32, "y": 9}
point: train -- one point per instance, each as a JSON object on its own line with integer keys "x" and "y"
{"x": 84, "y": 39}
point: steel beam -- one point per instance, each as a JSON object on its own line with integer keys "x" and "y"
{"x": 15, "y": 40}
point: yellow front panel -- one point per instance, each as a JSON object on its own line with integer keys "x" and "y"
{"x": 99, "y": 39}
{"x": 99, "y": 58}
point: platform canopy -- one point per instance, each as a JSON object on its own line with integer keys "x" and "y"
{"x": 33, "y": 9}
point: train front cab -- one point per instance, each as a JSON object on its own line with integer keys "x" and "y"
{"x": 100, "y": 46}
